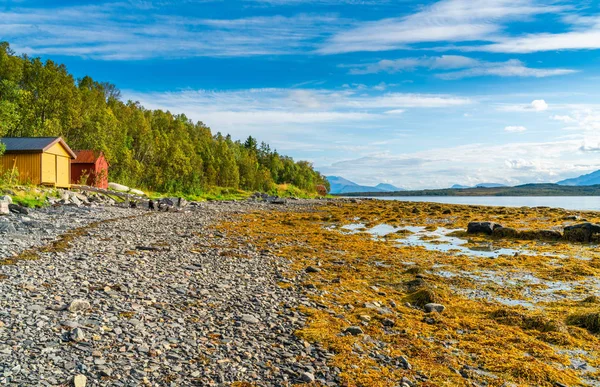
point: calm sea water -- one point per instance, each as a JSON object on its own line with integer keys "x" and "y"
{"x": 582, "y": 203}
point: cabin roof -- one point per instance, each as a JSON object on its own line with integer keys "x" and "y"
{"x": 33, "y": 144}
{"x": 87, "y": 156}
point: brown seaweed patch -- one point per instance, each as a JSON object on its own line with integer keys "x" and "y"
{"x": 589, "y": 321}
{"x": 422, "y": 297}
{"x": 536, "y": 322}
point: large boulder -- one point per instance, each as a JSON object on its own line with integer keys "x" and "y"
{"x": 118, "y": 187}
{"x": 482, "y": 227}
{"x": 581, "y": 232}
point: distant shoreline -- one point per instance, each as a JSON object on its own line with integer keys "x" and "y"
{"x": 521, "y": 190}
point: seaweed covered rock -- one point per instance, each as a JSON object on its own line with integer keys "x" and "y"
{"x": 505, "y": 232}
{"x": 534, "y": 235}
{"x": 482, "y": 227}
{"x": 581, "y": 232}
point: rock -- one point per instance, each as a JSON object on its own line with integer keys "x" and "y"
{"x": 354, "y": 330}
{"x": 365, "y": 317}
{"x": 567, "y": 217}
{"x": 118, "y": 187}
{"x": 77, "y": 335}
{"x": 250, "y": 319}
{"x": 404, "y": 363}
{"x": 312, "y": 269}
{"x": 278, "y": 201}
{"x": 79, "y": 305}
{"x": 6, "y": 199}
{"x": 432, "y": 307}
{"x": 387, "y": 322}
{"x": 581, "y": 232}
{"x": 482, "y": 227}
{"x": 307, "y": 377}
{"x": 75, "y": 200}
{"x": 17, "y": 209}
{"x": 551, "y": 235}
{"x": 4, "y": 210}
{"x": 79, "y": 381}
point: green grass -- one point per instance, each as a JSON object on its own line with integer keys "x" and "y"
{"x": 29, "y": 196}
{"x": 33, "y": 196}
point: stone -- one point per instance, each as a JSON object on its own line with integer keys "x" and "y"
{"x": 432, "y": 307}
{"x": 312, "y": 269}
{"x": 18, "y": 209}
{"x": 79, "y": 381}
{"x": 4, "y": 210}
{"x": 404, "y": 363}
{"x": 387, "y": 322}
{"x": 482, "y": 227}
{"x": 79, "y": 305}
{"x": 250, "y": 319}
{"x": 354, "y": 330}
{"x": 6, "y": 199}
{"x": 307, "y": 377}
{"x": 77, "y": 335}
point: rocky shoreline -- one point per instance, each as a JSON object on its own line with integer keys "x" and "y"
{"x": 138, "y": 298}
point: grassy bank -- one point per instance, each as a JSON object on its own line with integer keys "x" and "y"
{"x": 34, "y": 196}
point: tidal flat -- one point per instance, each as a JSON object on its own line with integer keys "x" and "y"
{"x": 517, "y": 311}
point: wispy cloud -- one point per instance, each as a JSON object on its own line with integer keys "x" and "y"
{"x": 444, "y": 21}
{"x": 112, "y": 31}
{"x": 583, "y": 34}
{"x": 243, "y": 112}
{"x": 467, "y": 67}
{"x": 538, "y": 105}
{"x": 515, "y": 129}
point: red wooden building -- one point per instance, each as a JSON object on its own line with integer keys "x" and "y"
{"x": 91, "y": 164}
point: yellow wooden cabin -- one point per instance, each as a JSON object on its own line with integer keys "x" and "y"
{"x": 38, "y": 160}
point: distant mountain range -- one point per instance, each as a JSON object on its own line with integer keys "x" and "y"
{"x": 482, "y": 185}
{"x": 339, "y": 185}
{"x": 583, "y": 180}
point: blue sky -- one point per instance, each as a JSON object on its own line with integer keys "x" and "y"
{"x": 420, "y": 94}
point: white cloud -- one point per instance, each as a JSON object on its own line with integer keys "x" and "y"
{"x": 510, "y": 68}
{"x": 511, "y": 164}
{"x": 590, "y": 148}
{"x": 574, "y": 40}
{"x": 581, "y": 119}
{"x": 115, "y": 31}
{"x": 539, "y": 105}
{"x": 444, "y": 21}
{"x": 564, "y": 119}
{"x": 244, "y": 111}
{"x": 515, "y": 129}
{"x": 468, "y": 67}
